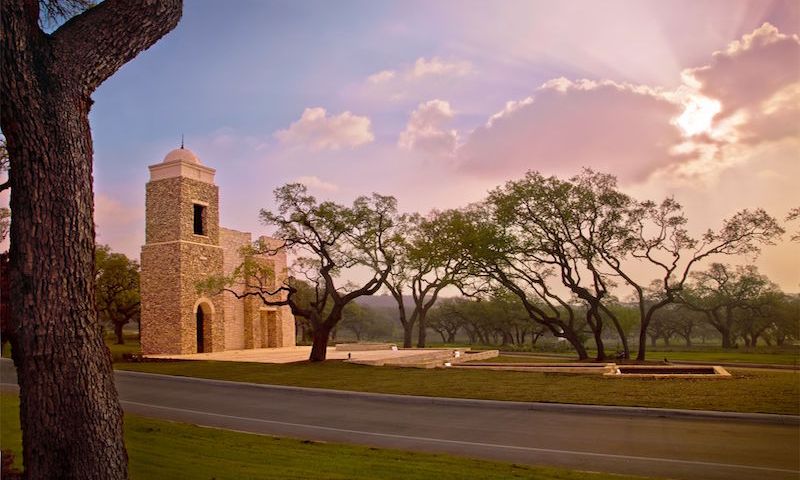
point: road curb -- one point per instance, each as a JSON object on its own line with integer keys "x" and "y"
{"x": 567, "y": 408}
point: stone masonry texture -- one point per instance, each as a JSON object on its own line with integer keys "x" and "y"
{"x": 174, "y": 259}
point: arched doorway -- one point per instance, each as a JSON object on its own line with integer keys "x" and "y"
{"x": 204, "y": 320}
{"x": 200, "y": 327}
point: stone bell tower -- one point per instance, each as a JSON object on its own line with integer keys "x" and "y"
{"x": 181, "y": 248}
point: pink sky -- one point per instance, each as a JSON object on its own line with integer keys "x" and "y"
{"x": 438, "y": 102}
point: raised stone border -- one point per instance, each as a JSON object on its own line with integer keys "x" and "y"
{"x": 580, "y": 368}
{"x": 430, "y": 359}
{"x": 668, "y": 371}
{"x": 363, "y": 347}
{"x": 469, "y": 356}
{"x": 607, "y": 369}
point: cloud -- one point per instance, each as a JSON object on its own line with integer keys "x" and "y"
{"x": 425, "y": 129}
{"x": 381, "y": 77}
{"x": 438, "y": 67}
{"x": 750, "y": 71}
{"x": 318, "y": 131}
{"x": 567, "y": 125}
{"x": 746, "y": 95}
{"x": 314, "y": 183}
{"x": 755, "y": 84}
{"x": 423, "y": 68}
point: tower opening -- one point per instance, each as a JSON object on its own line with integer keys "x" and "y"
{"x": 199, "y": 219}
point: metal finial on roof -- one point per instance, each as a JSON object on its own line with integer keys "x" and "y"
{"x": 181, "y": 141}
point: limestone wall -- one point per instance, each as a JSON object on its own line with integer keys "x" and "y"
{"x": 160, "y": 291}
{"x": 285, "y": 317}
{"x": 174, "y": 259}
{"x": 169, "y": 208}
{"x": 161, "y": 207}
{"x": 246, "y": 319}
{"x": 170, "y": 273}
{"x": 194, "y": 191}
{"x": 198, "y": 262}
{"x": 231, "y": 241}
{"x": 288, "y": 327}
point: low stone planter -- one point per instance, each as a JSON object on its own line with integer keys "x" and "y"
{"x": 363, "y": 347}
{"x": 669, "y": 371}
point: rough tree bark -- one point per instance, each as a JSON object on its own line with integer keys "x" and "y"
{"x": 319, "y": 347}
{"x": 422, "y": 330}
{"x": 408, "y": 324}
{"x": 69, "y": 410}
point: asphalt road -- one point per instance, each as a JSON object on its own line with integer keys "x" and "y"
{"x": 609, "y": 440}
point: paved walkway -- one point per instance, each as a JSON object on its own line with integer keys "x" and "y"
{"x": 291, "y": 354}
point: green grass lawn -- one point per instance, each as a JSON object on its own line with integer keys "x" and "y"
{"x": 788, "y": 355}
{"x": 763, "y": 355}
{"x": 763, "y": 391}
{"x": 117, "y": 351}
{"x": 161, "y": 449}
{"x": 721, "y": 356}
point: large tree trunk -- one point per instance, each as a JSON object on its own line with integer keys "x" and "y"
{"x": 642, "y": 349}
{"x": 71, "y": 418}
{"x": 622, "y": 336}
{"x": 319, "y": 348}
{"x": 727, "y": 342}
{"x": 408, "y": 332}
{"x": 118, "y": 332}
{"x": 597, "y": 332}
{"x": 69, "y": 410}
{"x": 576, "y": 344}
{"x": 601, "y": 349}
{"x": 408, "y": 324}
{"x": 422, "y": 330}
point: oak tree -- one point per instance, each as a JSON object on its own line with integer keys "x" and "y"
{"x": 500, "y": 249}
{"x": 725, "y": 294}
{"x": 117, "y": 286}
{"x": 427, "y": 260}
{"x": 656, "y": 234}
{"x": 328, "y": 240}
{"x": 69, "y": 410}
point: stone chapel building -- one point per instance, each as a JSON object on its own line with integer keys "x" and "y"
{"x": 185, "y": 244}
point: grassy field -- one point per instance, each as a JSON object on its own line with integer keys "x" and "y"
{"x": 747, "y": 391}
{"x": 788, "y": 355}
{"x": 160, "y": 449}
{"x": 765, "y": 355}
{"x": 117, "y": 351}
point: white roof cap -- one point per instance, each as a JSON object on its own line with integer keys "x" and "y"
{"x": 181, "y": 154}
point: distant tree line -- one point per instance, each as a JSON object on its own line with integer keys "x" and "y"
{"x": 745, "y": 310}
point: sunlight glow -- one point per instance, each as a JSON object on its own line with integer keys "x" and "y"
{"x": 698, "y": 115}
